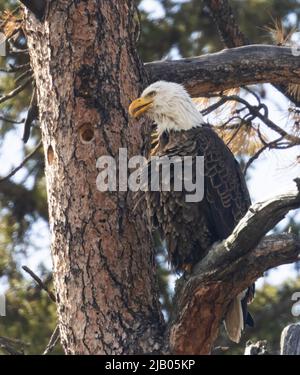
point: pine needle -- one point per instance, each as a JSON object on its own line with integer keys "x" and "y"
{"x": 241, "y": 139}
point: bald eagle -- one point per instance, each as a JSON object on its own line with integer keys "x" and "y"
{"x": 190, "y": 228}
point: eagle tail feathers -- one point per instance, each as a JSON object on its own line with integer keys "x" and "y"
{"x": 234, "y": 319}
{"x": 238, "y": 316}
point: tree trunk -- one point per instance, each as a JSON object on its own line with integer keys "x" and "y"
{"x": 87, "y": 71}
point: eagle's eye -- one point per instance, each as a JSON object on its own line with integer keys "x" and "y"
{"x": 151, "y": 94}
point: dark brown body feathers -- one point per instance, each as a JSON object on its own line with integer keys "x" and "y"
{"x": 190, "y": 229}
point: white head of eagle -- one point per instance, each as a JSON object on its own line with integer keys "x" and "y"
{"x": 169, "y": 105}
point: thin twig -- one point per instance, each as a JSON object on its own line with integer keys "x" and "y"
{"x": 255, "y": 110}
{"x": 3, "y": 118}
{"x": 20, "y": 166}
{"x": 23, "y": 75}
{"x": 14, "y": 50}
{"x": 16, "y": 91}
{"x": 53, "y": 341}
{"x": 213, "y": 107}
{"x": 14, "y": 68}
{"x": 260, "y": 151}
{"x": 40, "y": 283}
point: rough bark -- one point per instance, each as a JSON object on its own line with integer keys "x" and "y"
{"x": 229, "y": 68}
{"x": 230, "y": 267}
{"x": 87, "y": 71}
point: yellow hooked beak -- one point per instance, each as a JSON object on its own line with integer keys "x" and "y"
{"x": 140, "y": 106}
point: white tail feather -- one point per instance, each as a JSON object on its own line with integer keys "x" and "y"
{"x": 234, "y": 321}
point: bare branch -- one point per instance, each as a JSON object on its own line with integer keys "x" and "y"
{"x": 24, "y": 75}
{"x": 40, "y": 283}
{"x": 20, "y": 166}
{"x": 6, "y": 119}
{"x": 213, "y": 107}
{"x": 230, "y": 267}
{"x": 15, "y": 68}
{"x": 259, "y": 152}
{"x": 16, "y": 91}
{"x": 229, "y": 68}
{"x": 255, "y": 112}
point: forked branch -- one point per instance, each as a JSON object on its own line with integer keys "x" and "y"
{"x": 230, "y": 267}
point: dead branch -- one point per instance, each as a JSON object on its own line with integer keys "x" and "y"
{"x": 40, "y": 283}
{"x": 254, "y": 111}
{"x": 55, "y": 335}
{"x": 25, "y": 74}
{"x": 15, "y": 68}
{"x": 6, "y": 119}
{"x": 230, "y": 267}
{"x": 229, "y": 68}
{"x": 16, "y": 91}
{"x": 254, "y": 157}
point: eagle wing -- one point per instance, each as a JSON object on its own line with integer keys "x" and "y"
{"x": 190, "y": 228}
{"x": 226, "y": 195}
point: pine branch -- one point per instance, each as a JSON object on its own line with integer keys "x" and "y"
{"x": 254, "y": 111}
